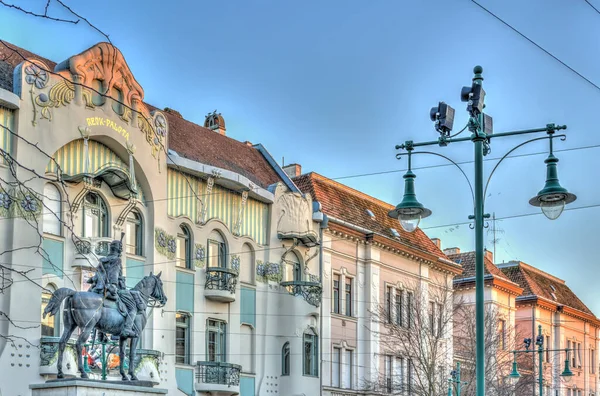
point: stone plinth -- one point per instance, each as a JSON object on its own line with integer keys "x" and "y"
{"x": 85, "y": 387}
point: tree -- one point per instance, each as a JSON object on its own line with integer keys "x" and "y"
{"x": 415, "y": 331}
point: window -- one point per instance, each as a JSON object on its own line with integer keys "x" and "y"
{"x": 50, "y": 325}
{"x": 247, "y": 348}
{"x": 293, "y": 269}
{"x": 410, "y": 371}
{"x": 246, "y": 264}
{"x": 311, "y": 354}
{"x": 410, "y": 308}
{"x": 440, "y": 323}
{"x": 134, "y": 233}
{"x": 118, "y": 99}
{"x": 215, "y": 340}
{"x": 388, "y": 305}
{"x": 182, "y": 338}
{"x": 348, "y": 296}
{"x": 52, "y": 210}
{"x": 184, "y": 248}
{"x": 431, "y": 317}
{"x": 399, "y": 312}
{"x": 336, "y": 293}
{"x": 95, "y": 216}
{"x": 547, "y": 349}
{"x": 387, "y": 374}
{"x": 217, "y": 253}
{"x": 335, "y": 367}
{"x": 399, "y": 373}
{"x": 285, "y": 359}
{"x": 502, "y": 333}
{"x": 98, "y": 92}
{"x": 347, "y": 368}
{"x": 592, "y": 361}
{"x": 579, "y": 361}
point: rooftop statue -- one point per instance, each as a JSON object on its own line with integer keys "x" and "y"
{"x": 108, "y": 307}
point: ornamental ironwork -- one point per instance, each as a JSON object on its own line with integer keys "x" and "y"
{"x": 221, "y": 279}
{"x": 102, "y": 248}
{"x": 310, "y": 291}
{"x": 83, "y": 246}
{"x": 219, "y": 373}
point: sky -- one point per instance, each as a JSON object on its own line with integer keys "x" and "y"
{"x": 335, "y": 85}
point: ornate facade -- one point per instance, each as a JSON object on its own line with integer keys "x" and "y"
{"x": 86, "y": 159}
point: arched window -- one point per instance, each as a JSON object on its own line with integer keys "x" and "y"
{"x": 118, "y": 100}
{"x": 217, "y": 250}
{"x": 52, "y": 210}
{"x": 285, "y": 359}
{"x": 98, "y": 92}
{"x": 134, "y": 233}
{"x": 50, "y": 324}
{"x": 247, "y": 264}
{"x": 95, "y": 216}
{"x": 184, "y": 247}
{"x": 293, "y": 267}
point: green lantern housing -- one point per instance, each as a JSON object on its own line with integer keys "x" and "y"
{"x": 553, "y": 197}
{"x": 514, "y": 374}
{"x": 567, "y": 374}
{"x": 410, "y": 211}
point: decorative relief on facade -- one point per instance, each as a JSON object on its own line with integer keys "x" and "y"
{"x": 235, "y": 263}
{"x": 295, "y": 218}
{"x": 165, "y": 243}
{"x": 268, "y": 272}
{"x": 20, "y": 204}
{"x": 199, "y": 255}
{"x": 237, "y": 229}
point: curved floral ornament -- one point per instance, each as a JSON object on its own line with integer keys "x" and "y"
{"x": 5, "y": 203}
{"x": 160, "y": 124}
{"x": 37, "y": 77}
{"x": 235, "y": 263}
{"x": 199, "y": 255}
{"x": 165, "y": 243}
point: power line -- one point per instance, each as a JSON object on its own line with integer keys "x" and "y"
{"x": 537, "y": 45}
{"x": 591, "y": 5}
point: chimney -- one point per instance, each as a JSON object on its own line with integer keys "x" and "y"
{"x": 452, "y": 250}
{"x": 173, "y": 111}
{"x": 214, "y": 121}
{"x": 438, "y": 242}
{"x": 248, "y": 143}
{"x": 489, "y": 255}
{"x": 293, "y": 170}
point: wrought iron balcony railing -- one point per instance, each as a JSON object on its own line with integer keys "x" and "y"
{"x": 310, "y": 291}
{"x": 224, "y": 279}
{"x": 89, "y": 250}
{"x": 218, "y": 373}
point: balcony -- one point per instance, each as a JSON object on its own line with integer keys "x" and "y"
{"x": 311, "y": 291}
{"x": 217, "y": 378}
{"x": 89, "y": 251}
{"x": 220, "y": 284}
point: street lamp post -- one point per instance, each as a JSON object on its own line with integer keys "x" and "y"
{"x": 552, "y": 198}
{"x": 455, "y": 379}
{"x": 567, "y": 374}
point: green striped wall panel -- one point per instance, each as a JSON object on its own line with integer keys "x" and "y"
{"x": 7, "y": 120}
{"x": 222, "y": 204}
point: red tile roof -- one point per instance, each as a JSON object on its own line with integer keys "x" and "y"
{"x": 537, "y": 283}
{"x": 467, "y": 260}
{"x": 349, "y": 205}
{"x": 188, "y": 139}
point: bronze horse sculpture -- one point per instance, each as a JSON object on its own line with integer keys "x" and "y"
{"x": 92, "y": 311}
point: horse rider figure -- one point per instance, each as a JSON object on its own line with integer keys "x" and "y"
{"x": 110, "y": 282}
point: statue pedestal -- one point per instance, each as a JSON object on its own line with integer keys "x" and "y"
{"x": 87, "y": 387}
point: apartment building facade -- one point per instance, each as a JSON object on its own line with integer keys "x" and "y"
{"x": 236, "y": 242}
{"x": 377, "y": 282}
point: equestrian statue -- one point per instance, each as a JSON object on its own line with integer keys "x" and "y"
{"x": 108, "y": 307}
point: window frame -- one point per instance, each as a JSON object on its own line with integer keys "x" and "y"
{"x": 55, "y": 319}
{"x": 118, "y": 98}
{"x": 502, "y": 331}
{"x": 103, "y": 223}
{"x": 336, "y": 293}
{"x": 98, "y": 93}
{"x": 56, "y": 216}
{"x": 388, "y": 304}
{"x": 187, "y": 237}
{"x": 220, "y": 329}
{"x": 286, "y": 361}
{"x": 348, "y": 296}
{"x": 337, "y": 352}
{"x": 313, "y": 339}
{"x": 222, "y": 250}
{"x": 398, "y": 303}
{"x": 388, "y": 373}
{"x": 186, "y": 325}
{"x": 138, "y": 226}
{"x": 410, "y": 309}
{"x": 348, "y": 353}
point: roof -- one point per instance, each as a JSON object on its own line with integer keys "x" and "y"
{"x": 467, "y": 260}
{"x": 537, "y": 283}
{"x": 349, "y": 205}
{"x": 188, "y": 139}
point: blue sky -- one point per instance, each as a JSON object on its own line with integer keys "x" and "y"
{"x": 335, "y": 85}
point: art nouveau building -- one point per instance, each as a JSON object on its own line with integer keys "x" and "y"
{"x": 374, "y": 275}
{"x": 238, "y": 244}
